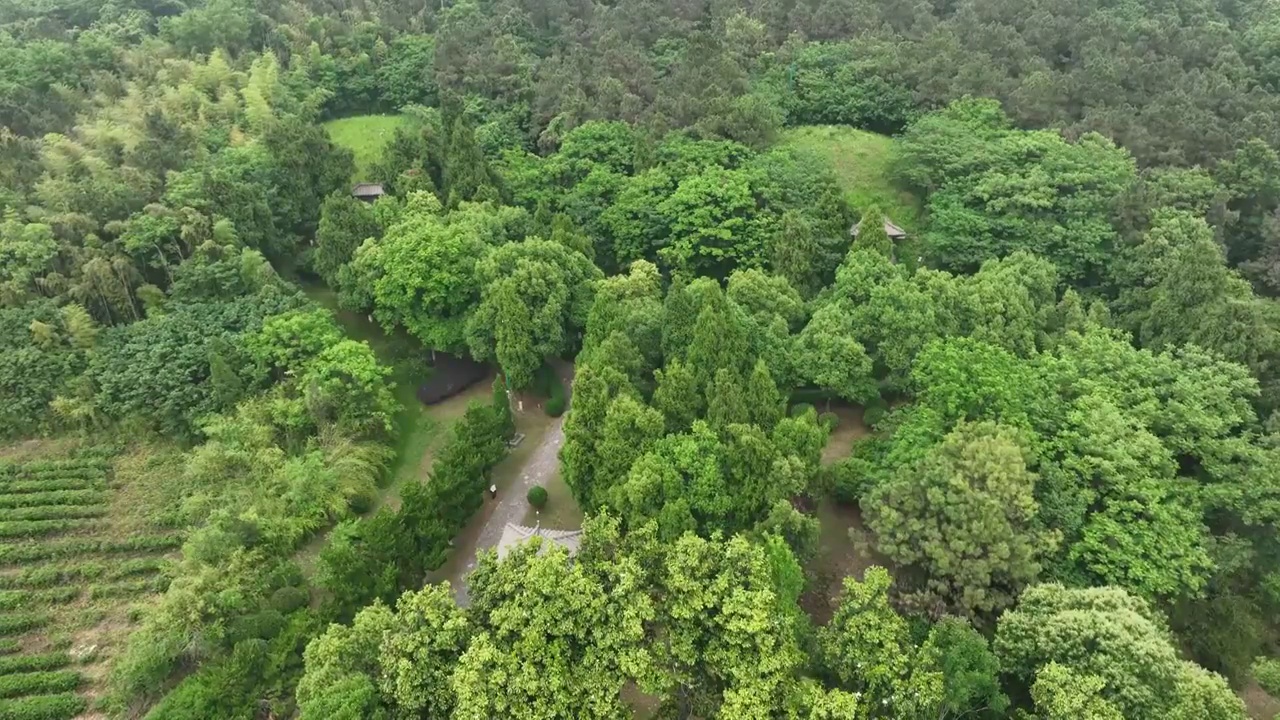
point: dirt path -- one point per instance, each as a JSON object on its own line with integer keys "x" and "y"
{"x": 540, "y": 464}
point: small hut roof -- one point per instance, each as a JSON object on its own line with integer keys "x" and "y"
{"x": 890, "y": 229}
{"x": 513, "y": 535}
{"x": 367, "y": 189}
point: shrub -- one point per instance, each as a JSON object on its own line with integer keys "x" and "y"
{"x": 290, "y": 598}
{"x": 873, "y": 415}
{"x": 555, "y": 406}
{"x": 800, "y": 409}
{"x": 1267, "y": 672}
{"x": 537, "y": 496}
{"x": 849, "y": 479}
{"x": 9, "y": 645}
{"x": 361, "y": 502}
{"x": 547, "y": 383}
{"x": 43, "y": 707}
{"x": 38, "y": 683}
{"x": 829, "y": 420}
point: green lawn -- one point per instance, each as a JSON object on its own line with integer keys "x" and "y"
{"x": 861, "y": 160}
{"x": 365, "y": 135}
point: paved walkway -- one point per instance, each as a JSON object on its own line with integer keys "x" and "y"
{"x": 512, "y": 502}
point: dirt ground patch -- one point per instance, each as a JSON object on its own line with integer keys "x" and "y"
{"x": 845, "y": 548}
{"x": 840, "y": 442}
{"x": 1260, "y": 705}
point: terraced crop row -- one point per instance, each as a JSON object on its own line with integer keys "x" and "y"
{"x": 43, "y": 528}
{"x": 57, "y": 565}
{"x": 55, "y": 497}
{"x": 56, "y": 483}
{"x": 52, "y": 512}
{"x": 42, "y": 576}
{"x": 64, "y": 548}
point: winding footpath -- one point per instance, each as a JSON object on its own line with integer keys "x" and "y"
{"x": 511, "y": 504}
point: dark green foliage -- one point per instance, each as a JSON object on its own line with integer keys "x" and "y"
{"x": 537, "y": 496}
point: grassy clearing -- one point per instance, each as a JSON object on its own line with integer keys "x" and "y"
{"x": 862, "y": 162}
{"x": 365, "y": 136}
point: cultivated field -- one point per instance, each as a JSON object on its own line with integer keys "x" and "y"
{"x": 72, "y": 564}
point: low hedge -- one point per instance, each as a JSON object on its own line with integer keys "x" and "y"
{"x": 537, "y": 496}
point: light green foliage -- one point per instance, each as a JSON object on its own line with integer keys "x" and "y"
{"x": 27, "y": 251}
{"x": 289, "y": 342}
{"x": 1061, "y": 694}
{"x": 346, "y": 384}
{"x": 714, "y": 224}
{"x": 867, "y": 648}
{"x": 965, "y": 516}
{"x": 677, "y": 396}
{"x": 343, "y": 669}
{"x": 728, "y": 645}
{"x": 1139, "y": 535}
{"x": 1267, "y": 672}
{"x": 423, "y": 274}
{"x": 548, "y": 623}
{"x": 1100, "y": 632}
{"x": 417, "y": 654}
{"x": 534, "y": 300}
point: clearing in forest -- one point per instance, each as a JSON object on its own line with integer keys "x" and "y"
{"x": 861, "y": 161}
{"x": 77, "y": 554}
{"x": 365, "y": 135}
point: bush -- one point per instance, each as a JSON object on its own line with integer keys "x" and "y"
{"x": 537, "y": 496}
{"x": 829, "y": 420}
{"x": 290, "y": 598}
{"x": 800, "y": 409}
{"x": 547, "y": 383}
{"x": 1267, "y": 672}
{"x": 849, "y": 479}
{"x": 874, "y": 414}
{"x": 43, "y": 707}
{"x": 555, "y": 406}
{"x": 361, "y": 502}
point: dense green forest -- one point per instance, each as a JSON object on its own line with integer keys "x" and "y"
{"x": 1022, "y": 463}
